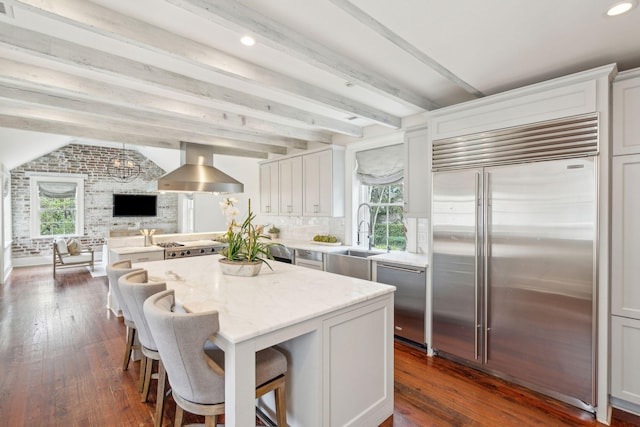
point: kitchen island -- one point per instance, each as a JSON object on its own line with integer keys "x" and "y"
{"x": 336, "y": 331}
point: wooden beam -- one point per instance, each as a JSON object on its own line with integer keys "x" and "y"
{"x": 66, "y": 85}
{"x": 239, "y": 17}
{"x": 113, "y": 25}
{"x": 69, "y": 104}
{"x": 64, "y": 52}
{"x": 403, "y": 44}
{"x": 46, "y": 126}
{"x": 16, "y": 109}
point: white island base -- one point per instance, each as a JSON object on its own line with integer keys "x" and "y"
{"x": 336, "y": 331}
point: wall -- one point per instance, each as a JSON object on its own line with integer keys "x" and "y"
{"x": 5, "y": 224}
{"x": 99, "y": 188}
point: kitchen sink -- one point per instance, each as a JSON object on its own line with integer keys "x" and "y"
{"x": 351, "y": 262}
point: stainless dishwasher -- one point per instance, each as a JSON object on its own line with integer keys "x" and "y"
{"x": 309, "y": 259}
{"x": 410, "y": 298}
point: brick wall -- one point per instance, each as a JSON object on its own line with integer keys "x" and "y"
{"x": 98, "y": 199}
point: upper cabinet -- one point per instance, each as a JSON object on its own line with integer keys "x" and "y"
{"x": 323, "y": 181}
{"x": 417, "y": 173}
{"x": 290, "y": 186}
{"x": 626, "y": 111}
{"x": 310, "y": 184}
{"x": 269, "y": 188}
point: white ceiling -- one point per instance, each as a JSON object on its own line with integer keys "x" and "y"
{"x": 154, "y": 72}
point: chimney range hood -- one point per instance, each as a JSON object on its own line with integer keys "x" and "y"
{"x": 197, "y": 174}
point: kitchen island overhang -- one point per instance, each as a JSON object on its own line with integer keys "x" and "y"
{"x": 336, "y": 331}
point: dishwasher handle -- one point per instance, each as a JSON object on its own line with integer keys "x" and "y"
{"x": 405, "y": 269}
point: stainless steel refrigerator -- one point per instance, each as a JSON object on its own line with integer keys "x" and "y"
{"x": 514, "y": 269}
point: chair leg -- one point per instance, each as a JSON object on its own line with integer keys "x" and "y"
{"x": 210, "y": 421}
{"x": 131, "y": 335}
{"x": 178, "y": 420}
{"x": 147, "y": 379}
{"x": 143, "y": 368}
{"x": 281, "y": 405}
{"x": 162, "y": 378}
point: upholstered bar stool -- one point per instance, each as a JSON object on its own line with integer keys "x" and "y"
{"x": 114, "y": 271}
{"x": 136, "y": 288}
{"x": 196, "y": 367}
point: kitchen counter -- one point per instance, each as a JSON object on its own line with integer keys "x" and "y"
{"x": 406, "y": 258}
{"x": 326, "y": 324}
{"x": 126, "y": 250}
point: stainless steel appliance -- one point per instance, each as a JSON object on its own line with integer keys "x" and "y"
{"x": 281, "y": 253}
{"x": 514, "y": 268}
{"x": 410, "y": 298}
{"x": 309, "y": 259}
{"x": 188, "y": 249}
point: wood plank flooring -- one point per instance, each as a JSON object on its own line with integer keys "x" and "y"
{"x": 61, "y": 349}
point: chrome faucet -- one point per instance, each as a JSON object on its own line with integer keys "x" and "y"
{"x": 369, "y": 225}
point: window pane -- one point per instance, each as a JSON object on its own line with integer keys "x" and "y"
{"x": 387, "y": 216}
{"x": 58, "y": 215}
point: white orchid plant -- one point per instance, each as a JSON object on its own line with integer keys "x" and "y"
{"x": 245, "y": 240}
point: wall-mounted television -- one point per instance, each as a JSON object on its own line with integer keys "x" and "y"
{"x": 135, "y": 205}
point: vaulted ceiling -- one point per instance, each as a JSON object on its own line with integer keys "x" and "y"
{"x": 157, "y": 72}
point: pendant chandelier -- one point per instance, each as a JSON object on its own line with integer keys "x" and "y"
{"x": 123, "y": 169}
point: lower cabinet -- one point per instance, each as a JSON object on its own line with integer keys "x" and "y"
{"x": 625, "y": 359}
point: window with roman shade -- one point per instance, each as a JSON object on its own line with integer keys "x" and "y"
{"x": 380, "y": 172}
{"x": 56, "y": 205}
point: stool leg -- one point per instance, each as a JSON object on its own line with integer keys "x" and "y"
{"x": 210, "y": 421}
{"x": 178, "y": 420}
{"x": 281, "y": 405}
{"x": 147, "y": 379}
{"x": 162, "y": 378}
{"x": 131, "y": 334}
{"x": 143, "y": 367}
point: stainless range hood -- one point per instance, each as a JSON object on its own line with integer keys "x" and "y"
{"x": 197, "y": 174}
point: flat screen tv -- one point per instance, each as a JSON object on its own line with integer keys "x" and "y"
{"x": 135, "y": 205}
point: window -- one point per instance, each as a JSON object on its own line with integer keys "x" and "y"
{"x": 380, "y": 172}
{"x": 57, "y": 206}
{"x": 386, "y": 202}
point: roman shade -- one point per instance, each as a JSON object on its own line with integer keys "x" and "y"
{"x": 380, "y": 166}
{"x": 57, "y": 190}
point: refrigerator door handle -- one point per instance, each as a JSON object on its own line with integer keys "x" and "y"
{"x": 485, "y": 266}
{"x": 476, "y": 267}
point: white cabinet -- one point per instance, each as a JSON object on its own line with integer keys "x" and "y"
{"x": 323, "y": 181}
{"x": 142, "y": 255}
{"x": 290, "y": 186}
{"x": 269, "y": 189}
{"x": 625, "y": 236}
{"x": 417, "y": 174}
{"x": 626, "y": 110}
{"x": 625, "y": 351}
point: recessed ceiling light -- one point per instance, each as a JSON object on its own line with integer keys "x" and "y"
{"x": 621, "y": 7}
{"x": 248, "y": 40}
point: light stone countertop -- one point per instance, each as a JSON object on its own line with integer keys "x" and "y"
{"x": 251, "y": 306}
{"x": 406, "y": 258}
{"x": 136, "y": 249}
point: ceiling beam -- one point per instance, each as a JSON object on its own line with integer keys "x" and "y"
{"x": 90, "y": 132}
{"x": 17, "y": 109}
{"x": 65, "y": 85}
{"x": 113, "y": 25}
{"x": 70, "y": 104}
{"x": 64, "y": 52}
{"x": 239, "y": 17}
{"x": 403, "y": 44}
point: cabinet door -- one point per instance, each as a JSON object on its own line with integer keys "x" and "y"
{"x": 269, "y": 188}
{"x": 417, "y": 175}
{"x": 318, "y": 183}
{"x": 290, "y": 186}
{"x": 625, "y": 237}
{"x": 625, "y": 348}
{"x": 626, "y": 110}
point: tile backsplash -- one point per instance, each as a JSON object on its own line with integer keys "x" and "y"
{"x": 304, "y": 228}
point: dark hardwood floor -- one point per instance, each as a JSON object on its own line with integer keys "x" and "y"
{"x": 60, "y": 365}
